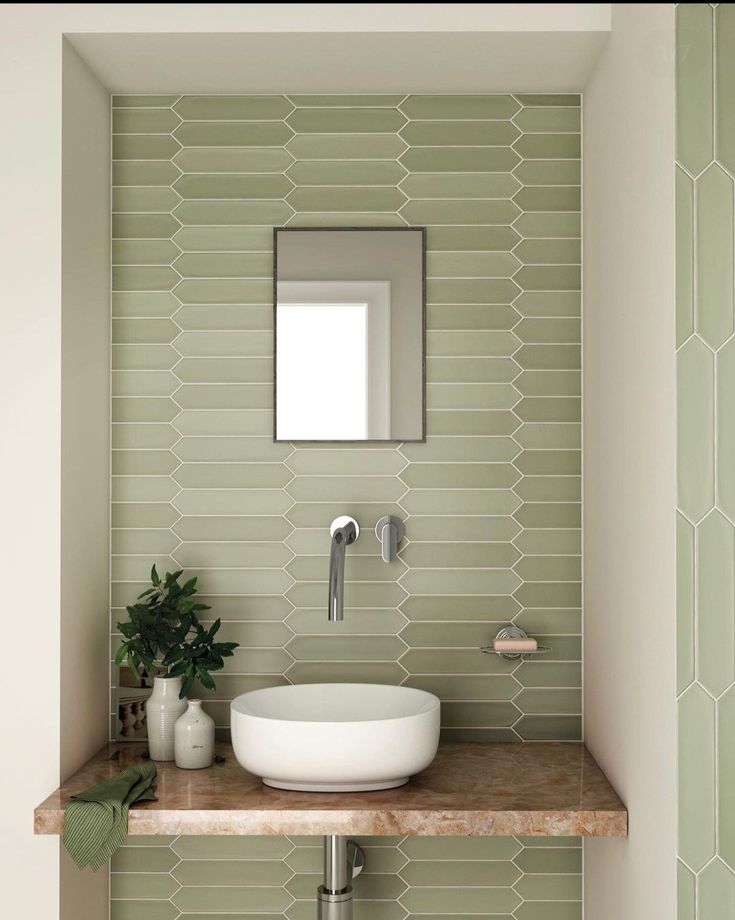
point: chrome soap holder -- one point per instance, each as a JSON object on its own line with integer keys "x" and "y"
{"x": 514, "y": 632}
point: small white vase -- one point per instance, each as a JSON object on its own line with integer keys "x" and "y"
{"x": 163, "y": 707}
{"x": 194, "y": 735}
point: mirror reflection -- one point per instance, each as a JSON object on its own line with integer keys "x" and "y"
{"x": 349, "y": 347}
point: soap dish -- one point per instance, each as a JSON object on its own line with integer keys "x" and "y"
{"x": 514, "y": 632}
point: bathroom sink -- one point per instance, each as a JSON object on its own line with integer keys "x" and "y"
{"x": 335, "y": 737}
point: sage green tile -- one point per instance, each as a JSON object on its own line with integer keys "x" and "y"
{"x": 135, "y": 858}
{"x": 685, "y": 617}
{"x": 143, "y": 121}
{"x": 549, "y": 489}
{"x": 345, "y": 648}
{"x": 346, "y": 172}
{"x": 471, "y": 239}
{"x": 550, "y": 623}
{"x": 716, "y": 887}
{"x": 241, "y": 581}
{"x": 234, "y": 527}
{"x": 144, "y": 147}
{"x": 232, "y": 134}
{"x": 231, "y": 872}
{"x": 470, "y": 316}
{"x": 142, "y": 489}
{"x": 549, "y": 278}
{"x": 228, "y": 899}
{"x": 143, "y": 462}
{"x": 307, "y": 672}
{"x": 207, "y": 847}
{"x": 474, "y": 900}
{"x": 549, "y": 225}
{"x": 241, "y": 240}
{"x": 143, "y": 101}
{"x": 141, "y": 885}
{"x": 474, "y": 369}
{"x": 460, "y": 475}
{"x": 233, "y": 160}
{"x": 549, "y": 198}
{"x": 695, "y": 447}
{"x": 232, "y": 501}
{"x": 358, "y": 568}
{"x": 459, "y": 133}
{"x": 714, "y": 256}
{"x": 549, "y": 303}
{"x": 143, "y": 172}
{"x": 236, "y": 108}
{"x": 459, "y": 211}
{"x": 470, "y": 290}
{"x": 144, "y": 252}
{"x": 471, "y": 265}
{"x": 357, "y": 594}
{"x": 345, "y": 100}
{"x": 346, "y": 121}
{"x": 550, "y": 910}
{"x": 548, "y": 146}
{"x": 695, "y": 85}
{"x": 346, "y": 146}
{"x": 686, "y": 894}
{"x": 552, "y": 594}
{"x": 549, "y": 701}
{"x": 321, "y": 514}
{"x": 471, "y": 396}
{"x": 315, "y": 542}
{"x": 136, "y": 568}
{"x": 725, "y": 77}
{"x": 684, "y": 256}
{"x": 454, "y": 661}
{"x": 459, "y": 159}
{"x": 549, "y": 674}
{"x": 143, "y": 278}
{"x": 143, "y": 409}
{"x": 466, "y": 873}
{"x": 726, "y": 429}
{"x": 551, "y": 383}
{"x": 447, "y": 448}
{"x": 224, "y": 396}
{"x": 225, "y": 422}
{"x": 548, "y": 357}
{"x": 224, "y": 343}
{"x": 232, "y": 316}
{"x": 556, "y": 435}
{"x": 460, "y": 848}
{"x": 549, "y": 409}
{"x": 458, "y": 687}
{"x": 232, "y": 212}
{"x": 470, "y": 422}
{"x": 549, "y": 331}
{"x": 550, "y": 860}
{"x": 225, "y": 370}
{"x": 142, "y": 910}
{"x": 549, "y": 118}
{"x": 460, "y": 106}
{"x": 549, "y": 568}
{"x": 384, "y": 887}
{"x": 349, "y": 488}
{"x": 549, "y": 172}
{"x": 361, "y": 622}
{"x": 447, "y": 528}
{"x": 549, "y": 541}
{"x": 453, "y": 634}
{"x": 726, "y": 775}
{"x": 231, "y": 475}
{"x": 460, "y": 501}
{"x": 325, "y": 199}
{"x": 149, "y": 542}
{"x": 480, "y": 344}
{"x": 550, "y": 887}
{"x": 232, "y": 186}
{"x": 549, "y": 252}
{"x": 144, "y": 303}
{"x": 346, "y": 219}
{"x": 135, "y": 331}
{"x": 244, "y": 609}
{"x": 327, "y": 462}
{"x": 460, "y": 608}
{"x": 715, "y": 600}
{"x": 696, "y": 777}
{"x": 462, "y": 185}
{"x": 144, "y": 226}
{"x": 459, "y": 581}
{"x": 557, "y": 462}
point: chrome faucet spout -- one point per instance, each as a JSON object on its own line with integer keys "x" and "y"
{"x": 344, "y": 531}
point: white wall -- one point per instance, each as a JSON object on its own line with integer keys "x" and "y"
{"x": 629, "y": 459}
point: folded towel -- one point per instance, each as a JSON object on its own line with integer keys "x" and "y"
{"x": 96, "y": 823}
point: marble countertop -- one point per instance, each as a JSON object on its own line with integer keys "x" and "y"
{"x": 544, "y": 789}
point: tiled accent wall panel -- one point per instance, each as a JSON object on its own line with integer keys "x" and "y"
{"x": 491, "y": 501}
{"x": 706, "y": 461}
{"x": 263, "y": 878}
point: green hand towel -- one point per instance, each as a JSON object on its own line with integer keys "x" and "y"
{"x": 96, "y": 823}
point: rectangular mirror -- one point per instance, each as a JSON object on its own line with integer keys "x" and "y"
{"x": 350, "y": 325}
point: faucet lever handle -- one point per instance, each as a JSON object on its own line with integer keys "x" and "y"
{"x": 390, "y": 531}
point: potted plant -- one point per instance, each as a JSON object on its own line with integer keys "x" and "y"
{"x": 164, "y": 632}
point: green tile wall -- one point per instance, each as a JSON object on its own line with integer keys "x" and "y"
{"x": 706, "y": 459}
{"x": 491, "y": 501}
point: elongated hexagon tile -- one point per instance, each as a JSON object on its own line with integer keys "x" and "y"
{"x": 696, "y": 777}
{"x": 715, "y": 603}
{"x": 714, "y": 250}
{"x": 696, "y": 435}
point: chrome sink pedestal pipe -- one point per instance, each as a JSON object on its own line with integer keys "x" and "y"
{"x": 343, "y": 861}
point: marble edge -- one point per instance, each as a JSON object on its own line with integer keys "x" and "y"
{"x": 429, "y": 823}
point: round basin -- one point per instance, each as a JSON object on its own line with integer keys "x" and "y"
{"x": 335, "y": 737}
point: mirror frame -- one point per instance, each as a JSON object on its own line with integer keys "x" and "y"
{"x": 422, "y": 231}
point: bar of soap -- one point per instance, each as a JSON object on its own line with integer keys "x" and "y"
{"x": 515, "y": 645}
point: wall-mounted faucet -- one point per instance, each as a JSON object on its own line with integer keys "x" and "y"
{"x": 389, "y": 531}
{"x": 344, "y": 530}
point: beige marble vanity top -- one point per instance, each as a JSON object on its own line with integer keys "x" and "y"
{"x": 544, "y": 789}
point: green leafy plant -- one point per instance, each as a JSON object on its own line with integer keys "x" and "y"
{"x": 164, "y": 631}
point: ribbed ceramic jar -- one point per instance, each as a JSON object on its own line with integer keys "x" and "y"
{"x": 194, "y": 744}
{"x": 163, "y": 707}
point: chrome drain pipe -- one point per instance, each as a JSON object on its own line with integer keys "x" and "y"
{"x": 343, "y": 861}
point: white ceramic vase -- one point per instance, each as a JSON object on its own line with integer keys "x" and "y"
{"x": 194, "y": 735}
{"x": 163, "y": 707}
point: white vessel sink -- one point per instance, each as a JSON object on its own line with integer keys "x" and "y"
{"x": 335, "y": 737}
